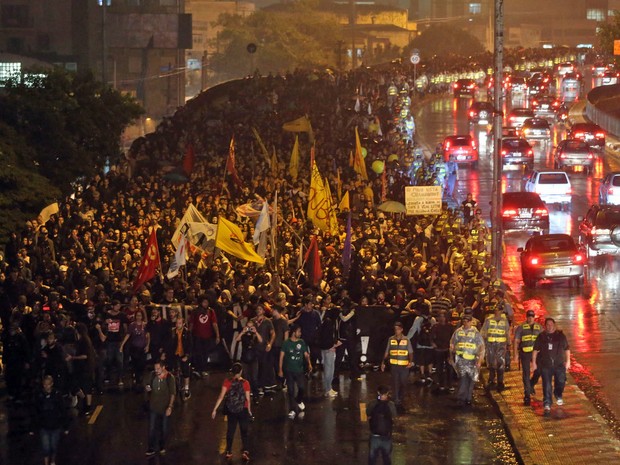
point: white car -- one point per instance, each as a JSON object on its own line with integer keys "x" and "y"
{"x": 553, "y": 186}
{"x": 609, "y": 191}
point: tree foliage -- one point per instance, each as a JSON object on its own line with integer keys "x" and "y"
{"x": 71, "y": 122}
{"x": 287, "y": 36}
{"x": 607, "y": 33}
{"x": 444, "y": 40}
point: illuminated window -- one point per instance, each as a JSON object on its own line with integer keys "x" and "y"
{"x": 475, "y": 8}
{"x": 595, "y": 14}
{"x": 8, "y": 71}
{"x": 107, "y": 3}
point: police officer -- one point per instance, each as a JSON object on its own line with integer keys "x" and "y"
{"x": 525, "y": 336}
{"x": 496, "y": 331}
{"x": 467, "y": 352}
{"x": 399, "y": 354}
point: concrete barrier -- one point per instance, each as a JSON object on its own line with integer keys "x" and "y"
{"x": 603, "y": 108}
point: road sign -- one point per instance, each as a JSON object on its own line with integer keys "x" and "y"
{"x": 415, "y": 58}
{"x": 423, "y": 200}
{"x": 616, "y": 47}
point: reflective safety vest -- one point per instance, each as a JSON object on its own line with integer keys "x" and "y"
{"x": 466, "y": 345}
{"x": 498, "y": 330}
{"x": 529, "y": 338}
{"x": 399, "y": 353}
{"x": 392, "y": 90}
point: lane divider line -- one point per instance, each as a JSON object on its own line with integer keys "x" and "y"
{"x": 363, "y": 416}
{"x": 95, "y": 414}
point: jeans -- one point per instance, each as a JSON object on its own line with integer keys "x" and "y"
{"x": 443, "y": 367}
{"x": 138, "y": 362}
{"x": 329, "y": 364}
{"x": 266, "y": 375}
{"x": 553, "y": 379}
{"x": 114, "y": 358}
{"x": 466, "y": 388}
{"x": 158, "y": 429}
{"x": 202, "y": 348}
{"x": 528, "y": 382}
{"x": 292, "y": 380}
{"x": 49, "y": 441}
{"x": 379, "y": 445}
{"x": 243, "y": 420}
{"x": 400, "y": 375}
{"x": 353, "y": 356}
{"x": 250, "y": 372}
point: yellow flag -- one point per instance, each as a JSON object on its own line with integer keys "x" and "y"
{"x": 320, "y": 209}
{"x": 229, "y": 238}
{"x": 263, "y": 149}
{"x": 344, "y": 203}
{"x": 274, "y": 162}
{"x": 359, "y": 164}
{"x": 293, "y": 167}
{"x": 298, "y": 125}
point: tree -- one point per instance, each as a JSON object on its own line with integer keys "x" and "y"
{"x": 287, "y": 36}
{"x": 607, "y": 33}
{"x": 443, "y": 40}
{"x": 72, "y": 123}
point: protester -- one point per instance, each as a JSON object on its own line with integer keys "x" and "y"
{"x": 293, "y": 355}
{"x": 525, "y": 338}
{"x": 399, "y": 354}
{"x": 50, "y": 418}
{"x": 381, "y": 413}
{"x": 161, "y": 391}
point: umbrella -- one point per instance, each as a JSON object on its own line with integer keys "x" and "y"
{"x": 392, "y": 206}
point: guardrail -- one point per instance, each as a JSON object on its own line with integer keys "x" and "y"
{"x": 603, "y": 108}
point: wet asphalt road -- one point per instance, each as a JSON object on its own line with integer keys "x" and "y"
{"x": 431, "y": 432}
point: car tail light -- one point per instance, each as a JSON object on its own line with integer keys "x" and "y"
{"x": 562, "y": 155}
{"x": 513, "y": 118}
{"x": 578, "y": 258}
{"x": 569, "y": 190}
{"x": 472, "y": 113}
{"x": 541, "y": 212}
{"x": 590, "y": 156}
{"x": 534, "y": 103}
{"x": 534, "y": 261}
{"x": 530, "y": 152}
{"x": 579, "y": 135}
{"x": 504, "y": 152}
{"x": 447, "y": 145}
{"x": 471, "y": 86}
{"x": 456, "y": 85}
{"x": 610, "y": 191}
{"x": 508, "y": 212}
{"x": 526, "y": 131}
{"x": 600, "y": 135}
{"x": 600, "y": 231}
{"x": 473, "y": 144}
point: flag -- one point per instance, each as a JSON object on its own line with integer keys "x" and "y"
{"x": 47, "y": 212}
{"x": 263, "y": 149}
{"x": 346, "y": 251}
{"x": 250, "y": 209}
{"x": 179, "y": 259}
{"x": 369, "y": 109}
{"x": 338, "y": 184}
{"x": 230, "y": 164}
{"x": 320, "y": 209}
{"x": 188, "y": 160}
{"x": 359, "y": 164}
{"x": 300, "y": 125}
{"x": 274, "y": 227}
{"x": 358, "y": 105}
{"x": 274, "y": 163}
{"x": 293, "y": 167}
{"x": 384, "y": 183}
{"x": 196, "y": 229}
{"x": 344, "y": 203}
{"x": 351, "y": 159}
{"x": 230, "y": 239}
{"x": 149, "y": 264}
{"x": 313, "y": 263}
{"x": 262, "y": 224}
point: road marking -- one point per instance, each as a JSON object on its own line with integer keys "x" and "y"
{"x": 363, "y": 416}
{"x": 96, "y": 413}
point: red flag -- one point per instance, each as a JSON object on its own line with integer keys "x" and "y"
{"x": 230, "y": 164}
{"x": 188, "y": 160}
{"x": 313, "y": 262}
{"x": 150, "y": 262}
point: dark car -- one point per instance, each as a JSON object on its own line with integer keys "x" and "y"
{"x": 517, "y": 151}
{"x": 481, "y": 113}
{"x": 599, "y": 231}
{"x": 592, "y": 134}
{"x": 551, "y": 256}
{"x": 545, "y": 106}
{"x": 536, "y": 129}
{"x": 575, "y": 154}
{"x": 466, "y": 87}
{"x": 524, "y": 211}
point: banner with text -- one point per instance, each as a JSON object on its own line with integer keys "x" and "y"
{"x": 423, "y": 200}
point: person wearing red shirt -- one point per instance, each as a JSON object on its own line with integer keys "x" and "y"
{"x": 205, "y": 333}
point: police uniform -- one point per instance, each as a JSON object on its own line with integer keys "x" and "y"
{"x": 525, "y": 337}
{"x": 496, "y": 333}
{"x": 399, "y": 354}
{"x": 467, "y": 346}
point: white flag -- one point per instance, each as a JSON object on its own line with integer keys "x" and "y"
{"x": 358, "y": 105}
{"x": 191, "y": 215}
{"x": 262, "y": 224}
{"x": 179, "y": 259}
{"x": 369, "y": 109}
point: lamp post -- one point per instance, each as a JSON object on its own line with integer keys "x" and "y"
{"x": 496, "y": 201}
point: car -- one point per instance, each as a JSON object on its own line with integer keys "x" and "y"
{"x": 510, "y": 131}
{"x": 545, "y": 105}
{"x": 609, "y": 190}
{"x": 524, "y": 211}
{"x": 517, "y": 151}
{"x": 575, "y": 154}
{"x": 592, "y": 134}
{"x": 565, "y": 68}
{"x": 537, "y": 129}
{"x": 518, "y": 86}
{"x": 481, "y": 113}
{"x": 517, "y": 116}
{"x": 609, "y": 78}
{"x": 598, "y": 69}
{"x": 553, "y": 186}
{"x": 599, "y": 230}
{"x": 551, "y": 256}
{"x": 466, "y": 87}
{"x": 463, "y": 148}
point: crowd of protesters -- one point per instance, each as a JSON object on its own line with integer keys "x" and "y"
{"x": 70, "y": 314}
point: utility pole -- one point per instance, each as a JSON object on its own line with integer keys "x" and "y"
{"x": 104, "y": 55}
{"x": 498, "y": 102}
{"x": 352, "y": 22}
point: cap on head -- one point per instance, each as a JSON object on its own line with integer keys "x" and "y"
{"x": 530, "y": 313}
{"x": 398, "y": 323}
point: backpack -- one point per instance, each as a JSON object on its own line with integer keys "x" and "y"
{"x": 327, "y": 334}
{"x": 424, "y": 338}
{"x": 235, "y": 399}
{"x": 381, "y": 420}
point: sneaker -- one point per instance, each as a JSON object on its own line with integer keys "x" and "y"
{"x": 204, "y": 373}
{"x": 547, "y": 409}
{"x": 429, "y": 380}
{"x": 88, "y": 411}
{"x": 186, "y": 394}
{"x": 162, "y": 451}
{"x": 301, "y": 406}
{"x": 271, "y": 387}
{"x": 500, "y": 387}
{"x": 559, "y": 401}
{"x": 331, "y": 393}
{"x": 301, "y": 415}
{"x": 527, "y": 402}
{"x": 150, "y": 453}
{"x": 121, "y": 385}
{"x": 292, "y": 414}
{"x": 491, "y": 385}
{"x": 74, "y": 401}
{"x": 245, "y": 456}
{"x": 261, "y": 392}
